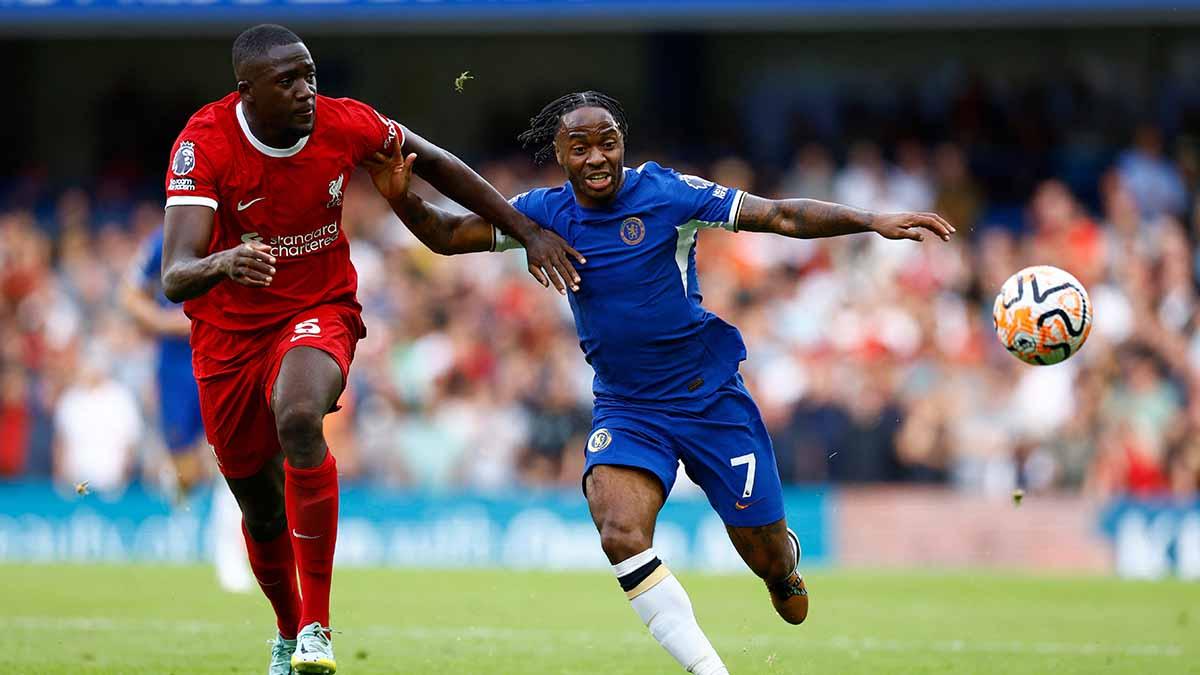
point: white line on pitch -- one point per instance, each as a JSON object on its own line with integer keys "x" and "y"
{"x": 837, "y": 643}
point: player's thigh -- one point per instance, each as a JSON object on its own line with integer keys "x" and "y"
{"x": 629, "y": 471}
{"x": 237, "y": 420}
{"x": 308, "y": 377}
{"x": 311, "y": 358}
{"x": 624, "y": 502}
{"x": 728, "y": 453}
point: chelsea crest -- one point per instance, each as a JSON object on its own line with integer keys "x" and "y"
{"x": 633, "y": 231}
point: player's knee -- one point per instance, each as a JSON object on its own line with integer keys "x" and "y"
{"x": 622, "y": 541}
{"x": 300, "y": 431}
{"x": 266, "y": 528}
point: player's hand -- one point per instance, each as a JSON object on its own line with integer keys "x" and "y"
{"x": 250, "y": 264}
{"x": 549, "y": 259}
{"x": 908, "y": 226}
{"x": 391, "y": 173}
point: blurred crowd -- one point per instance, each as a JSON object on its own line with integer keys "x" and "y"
{"x": 872, "y": 360}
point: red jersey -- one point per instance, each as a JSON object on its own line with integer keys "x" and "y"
{"x": 290, "y": 199}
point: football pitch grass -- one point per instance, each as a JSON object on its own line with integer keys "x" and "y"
{"x": 163, "y": 620}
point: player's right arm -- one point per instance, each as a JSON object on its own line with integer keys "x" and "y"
{"x": 199, "y": 160}
{"x": 188, "y": 271}
{"x": 139, "y": 294}
{"x": 440, "y": 231}
{"x": 140, "y": 305}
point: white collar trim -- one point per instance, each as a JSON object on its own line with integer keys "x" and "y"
{"x": 263, "y": 147}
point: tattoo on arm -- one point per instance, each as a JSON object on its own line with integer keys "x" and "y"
{"x": 802, "y": 218}
{"x": 441, "y": 231}
{"x": 453, "y": 178}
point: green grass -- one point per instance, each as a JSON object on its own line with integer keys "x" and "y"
{"x": 162, "y": 620}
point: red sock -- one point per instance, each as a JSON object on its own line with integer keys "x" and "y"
{"x": 275, "y": 568}
{"x": 311, "y": 496}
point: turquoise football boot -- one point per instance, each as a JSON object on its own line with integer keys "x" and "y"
{"x": 314, "y": 651}
{"x": 281, "y": 656}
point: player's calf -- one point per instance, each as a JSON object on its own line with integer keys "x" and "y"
{"x": 789, "y": 595}
{"x": 773, "y": 553}
{"x": 665, "y": 608}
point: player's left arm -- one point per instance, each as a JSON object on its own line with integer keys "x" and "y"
{"x": 439, "y": 230}
{"x": 549, "y": 257}
{"x": 811, "y": 218}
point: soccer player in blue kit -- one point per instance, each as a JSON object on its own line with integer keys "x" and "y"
{"x": 178, "y": 397}
{"x": 179, "y": 407}
{"x": 667, "y": 388}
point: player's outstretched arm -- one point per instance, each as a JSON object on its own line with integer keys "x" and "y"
{"x": 441, "y": 232}
{"x": 810, "y": 218}
{"x": 187, "y": 272}
{"x": 549, "y": 257}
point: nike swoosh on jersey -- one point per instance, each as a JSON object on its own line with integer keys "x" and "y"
{"x": 243, "y": 207}
{"x": 303, "y": 536}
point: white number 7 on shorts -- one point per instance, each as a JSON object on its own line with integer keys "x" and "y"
{"x": 748, "y": 460}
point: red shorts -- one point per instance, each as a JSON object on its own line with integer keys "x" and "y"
{"x": 236, "y": 373}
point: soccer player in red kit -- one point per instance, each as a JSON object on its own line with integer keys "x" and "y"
{"x": 254, "y": 248}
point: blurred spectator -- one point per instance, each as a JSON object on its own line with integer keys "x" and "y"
{"x": 811, "y": 174}
{"x": 98, "y": 425}
{"x": 872, "y": 360}
{"x": 14, "y": 422}
{"x": 959, "y": 199}
{"x": 1155, "y": 181}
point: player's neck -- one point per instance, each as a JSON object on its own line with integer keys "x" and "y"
{"x": 281, "y": 138}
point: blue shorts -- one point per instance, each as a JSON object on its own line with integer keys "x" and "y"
{"x": 179, "y": 407}
{"x": 721, "y": 440}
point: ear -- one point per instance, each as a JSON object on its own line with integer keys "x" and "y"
{"x": 243, "y": 88}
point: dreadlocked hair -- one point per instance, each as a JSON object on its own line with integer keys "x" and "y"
{"x": 544, "y": 126}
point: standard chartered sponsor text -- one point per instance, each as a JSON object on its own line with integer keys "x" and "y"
{"x": 291, "y": 245}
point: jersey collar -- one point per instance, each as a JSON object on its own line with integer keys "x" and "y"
{"x": 263, "y": 147}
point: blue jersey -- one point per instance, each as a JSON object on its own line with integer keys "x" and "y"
{"x": 178, "y": 398}
{"x": 173, "y": 350}
{"x": 638, "y": 312}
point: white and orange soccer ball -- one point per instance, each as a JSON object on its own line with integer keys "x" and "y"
{"x": 1042, "y": 315}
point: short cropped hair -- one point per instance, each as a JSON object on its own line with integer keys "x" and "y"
{"x": 255, "y": 42}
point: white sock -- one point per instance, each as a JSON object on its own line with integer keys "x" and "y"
{"x": 660, "y": 600}
{"x": 229, "y": 547}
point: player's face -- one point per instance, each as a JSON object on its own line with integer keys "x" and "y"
{"x": 283, "y": 90}
{"x": 591, "y": 149}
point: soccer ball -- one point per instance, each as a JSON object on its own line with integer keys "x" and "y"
{"x": 1042, "y": 315}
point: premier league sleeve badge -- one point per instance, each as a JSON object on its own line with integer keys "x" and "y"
{"x": 185, "y": 159}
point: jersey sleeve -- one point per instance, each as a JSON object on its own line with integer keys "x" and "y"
{"x": 198, "y": 160}
{"x": 533, "y": 205}
{"x": 703, "y": 201}
{"x": 370, "y": 131}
